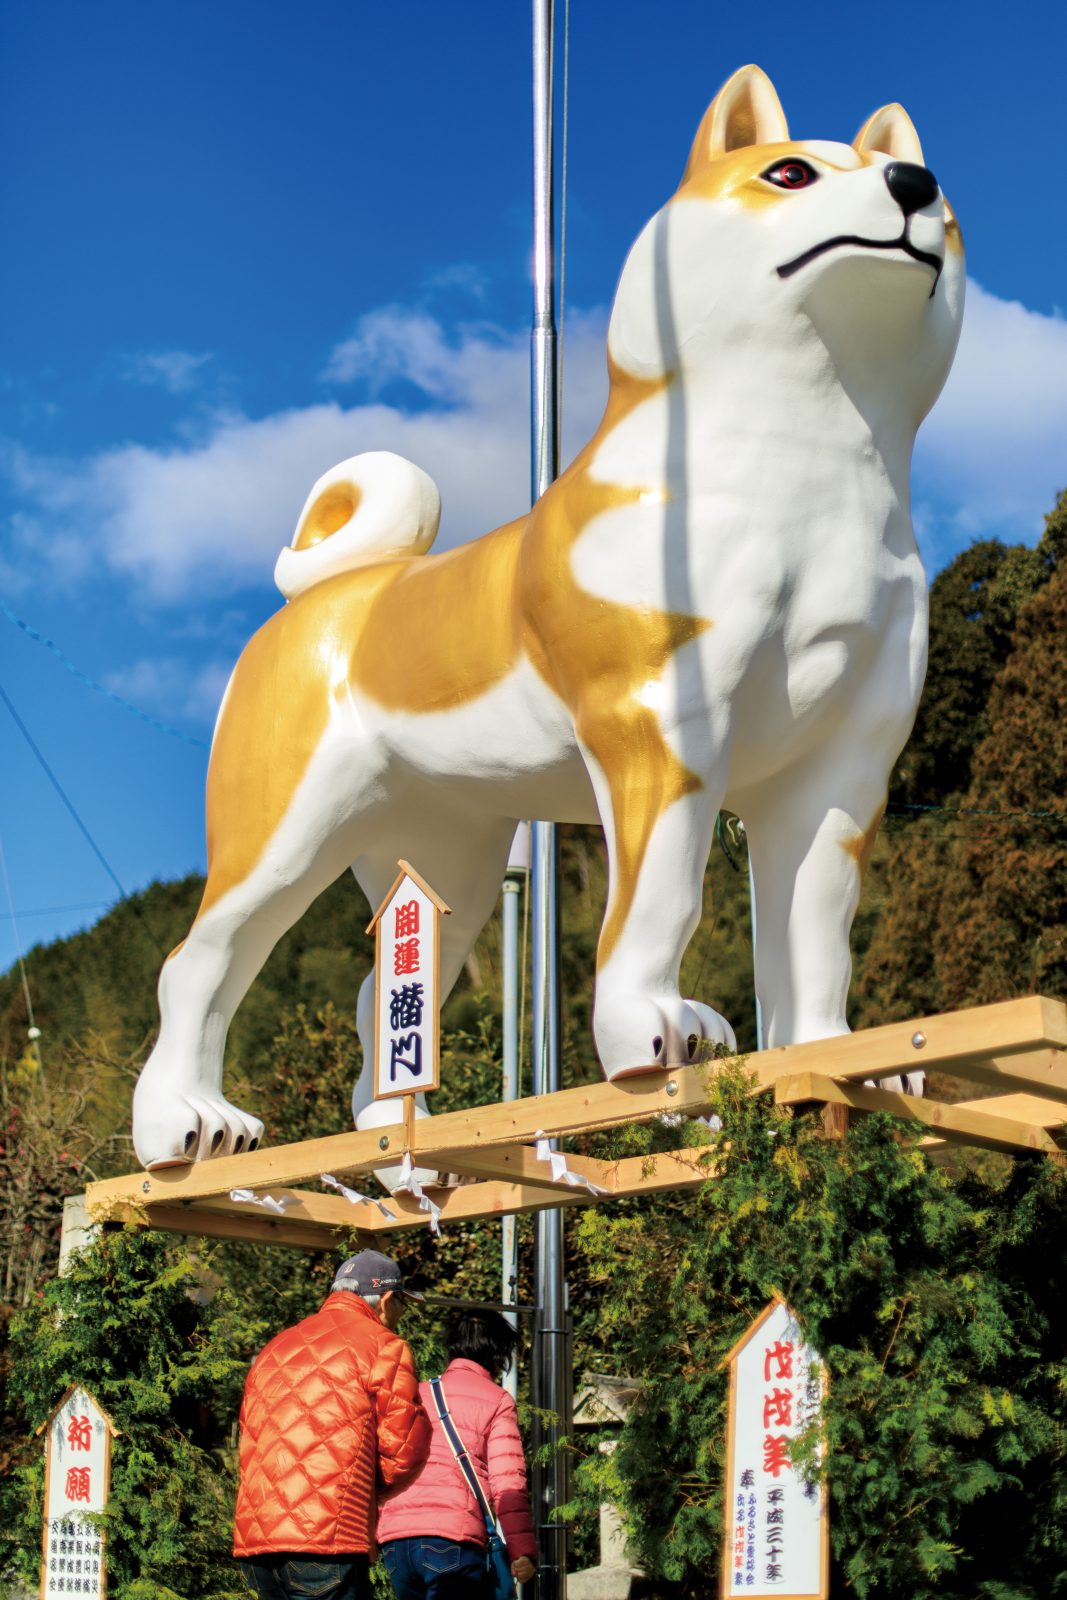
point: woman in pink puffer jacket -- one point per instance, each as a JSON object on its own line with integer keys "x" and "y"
{"x": 432, "y": 1532}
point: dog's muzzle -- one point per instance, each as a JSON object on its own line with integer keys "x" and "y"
{"x": 913, "y": 188}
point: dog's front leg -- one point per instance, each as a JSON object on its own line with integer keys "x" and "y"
{"x": 658, "y": 820}
{"x": 809, "y": 835}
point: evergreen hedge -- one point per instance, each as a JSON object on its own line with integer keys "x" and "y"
{"x": 129, "y": 1323}
{"x": 935, "y": 1298}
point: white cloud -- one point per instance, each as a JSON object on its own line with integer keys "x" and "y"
{"x": 993, "y": 453}
{"x": 171, "y": 687}
{"x": 173, "y": 370}
{"x": 208, "y": 515}
{"x": 211, "y": 515}
{"x": 464, "y": 276}
{"x": 481, "y": 366}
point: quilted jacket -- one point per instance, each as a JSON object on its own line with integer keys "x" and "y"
{"x": 438, "y": 1502}
{"x": 331, "y": 1411}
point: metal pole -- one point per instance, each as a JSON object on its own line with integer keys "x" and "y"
{"x": 752, "y": 914}
{"x": 550, "y": 1374}
{"x": 518, "y": 870}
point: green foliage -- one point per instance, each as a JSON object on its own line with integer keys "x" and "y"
{"x": 975, "y": 902}
{"x": 128, "y": 1323}
{"x": 931, "y": 1299}
{"x": 974, "y": 603}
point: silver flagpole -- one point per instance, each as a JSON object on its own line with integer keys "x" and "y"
{"x": 551, "y": 1379}
{"x": 514, "y": 884}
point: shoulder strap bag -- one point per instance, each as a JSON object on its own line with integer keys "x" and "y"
{"x": 500, "y": 1585}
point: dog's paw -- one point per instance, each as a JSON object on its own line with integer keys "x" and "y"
{"x": 172, "y": 1127}
{"x": 636, "y": 1034}
{"x": 715, "y": 1028}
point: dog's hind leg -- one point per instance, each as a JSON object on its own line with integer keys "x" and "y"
{"x": 179, "y": 1110}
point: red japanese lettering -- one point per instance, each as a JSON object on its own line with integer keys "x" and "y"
{"x": 778, "y": 1409}
{"x": 77, "y": 1487}
{"x": 781, "y": 1353}
{"x": 406, "y": 957}
{"x": 775, "y": 1453}
{"x": 80, "y": 1433}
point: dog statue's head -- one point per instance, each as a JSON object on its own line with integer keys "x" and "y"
{"x": 774, "y": 249}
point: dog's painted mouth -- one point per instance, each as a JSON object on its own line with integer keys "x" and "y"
{"x": 927, "y": 257}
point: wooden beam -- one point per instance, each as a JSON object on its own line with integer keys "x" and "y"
{"x": 314, "y": 1221}
{"x": 987, "y": 1039}
{"x": 587, "y": 1109}
{"x": 1040, "y": 1113}
{"x": 252, "y": 1227}
{"x": 984, "y": 1043}
{"x": 1044, "y": 1072}
{"x": 518, "y": 1163}
{"x": 984, "y": 1129}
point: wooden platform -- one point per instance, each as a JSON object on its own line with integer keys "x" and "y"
{"x": 1018, "y": 1049}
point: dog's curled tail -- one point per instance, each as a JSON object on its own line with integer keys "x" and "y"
{"x": 368, "y": 508}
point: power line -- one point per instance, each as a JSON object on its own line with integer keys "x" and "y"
{"x": 54, "y": 911}
{"x": 99, "y": 688}
{"x": 94, "y": 847}
{"x": 58, "y": 787}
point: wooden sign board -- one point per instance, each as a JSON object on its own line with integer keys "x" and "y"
{"x": 777, "y": 1525}
{"x": 77, "y": 1478}
{"x": 407, "y": 1002}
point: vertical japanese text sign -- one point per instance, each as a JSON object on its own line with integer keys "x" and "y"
{"x": 77, "y": 1472}
{"x": 407, "y": 927}
{"x": 777, "y": 1525}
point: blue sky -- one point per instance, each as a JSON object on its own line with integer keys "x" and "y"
{"x": 245, "y": 241}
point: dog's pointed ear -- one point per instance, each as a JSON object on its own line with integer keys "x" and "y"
{"x": 745, "y": 111}
{"x": 892, "y": 132}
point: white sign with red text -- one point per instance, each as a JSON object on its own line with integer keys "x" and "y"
{"x": 407, "y": 1000}
{"x": 777, "y": 1527}
{"x": 77, "y": 1475}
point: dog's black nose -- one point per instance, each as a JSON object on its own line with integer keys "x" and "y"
{"x": 912, "y": 187}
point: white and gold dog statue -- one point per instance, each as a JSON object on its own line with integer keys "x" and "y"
{"x": 718, "y": 604}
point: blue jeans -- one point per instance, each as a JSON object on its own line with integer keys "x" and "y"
{"x": 301, "y": 1577}
{"x": 434, "y": 1569}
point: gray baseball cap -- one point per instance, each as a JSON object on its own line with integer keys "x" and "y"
{"x": 371, "y": 1272}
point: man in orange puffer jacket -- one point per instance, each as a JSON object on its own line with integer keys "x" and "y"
{"x": 331, "y": 1411}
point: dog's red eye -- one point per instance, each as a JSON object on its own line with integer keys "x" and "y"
{"x": 791, "y": 175}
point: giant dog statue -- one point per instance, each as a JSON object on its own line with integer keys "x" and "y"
{"x": 719, "y": 603}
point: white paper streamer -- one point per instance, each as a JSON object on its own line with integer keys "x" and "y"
{"x": 409, "y": 1184}
{"x": 269, "y": 1202}
{"x": 355, "y": 1198}
{"x": 557, "y": 1162}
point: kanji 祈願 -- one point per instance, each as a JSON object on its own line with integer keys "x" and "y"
{"x": 80, "y": 1433}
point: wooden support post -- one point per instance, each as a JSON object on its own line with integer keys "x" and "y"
{"x": 836, "y": 1120}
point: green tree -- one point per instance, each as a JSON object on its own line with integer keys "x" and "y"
{"x": 129, "y": 1323}
{"x": 977, "y": 604}
{"x": 933, "y": 1301}
{"x": 1002, "y": 928}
